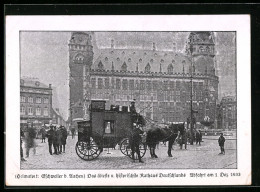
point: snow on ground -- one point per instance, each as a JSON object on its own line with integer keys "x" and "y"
{"x": 195, "y": 157}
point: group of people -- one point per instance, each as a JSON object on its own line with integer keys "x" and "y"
{"x": 57, "y": 137}
{"x": 188, "y": 136}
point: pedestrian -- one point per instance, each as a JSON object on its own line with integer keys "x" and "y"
{"x": 55, "y": 141}
{"x": 135, "y": 140}
{"x": 30, "y": 141}
{"x": 21, "y": 144}
{"x": 183, "y": 138}
{"x": 198, "y": 137}
{"x": 73, "y": 132}
{"x": 43, "y": 132}
{"x": 221, "y": 142}
{"x": 50, "y": 134}
{"x": 64, "y": 138}
{"x": 59, "y": 139}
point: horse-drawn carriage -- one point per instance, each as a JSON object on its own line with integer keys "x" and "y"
{"x": 106, "y": 129}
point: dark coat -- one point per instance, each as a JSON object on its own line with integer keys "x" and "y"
{"x": 51, "y": 135}
{"x": 221, "y": 141}
{"x": 136, "y": 137}
{"x": 64, "y": 136}
{"x": 59, "y": 136}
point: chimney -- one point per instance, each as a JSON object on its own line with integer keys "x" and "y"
{"x": 112, "y": 44}
{"x": 154, "y": 48}
{"x": 49, "y": 85}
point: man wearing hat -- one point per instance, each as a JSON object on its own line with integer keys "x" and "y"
{"x": 135, "y": 140}
{"x": 221, "y": 142}
{"x": 51, "y": 136}
{"x": 43, "y": 132}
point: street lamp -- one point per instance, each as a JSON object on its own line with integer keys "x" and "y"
{"x": 191, "y": 95}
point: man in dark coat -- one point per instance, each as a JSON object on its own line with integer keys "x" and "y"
{"x": 198, "y": 136}
{"x": 50, "y": 135}
{"x": 135, "y": 140}
{"x": 183, "y": 138}
{"x": 55, "y": 141}
{"x": 30, "y": 141}
{"x": 63, "y": 138}
{"x": 43, "y": 132}
{"x": 73, "y": 130}
{"x": 221, "y": 142}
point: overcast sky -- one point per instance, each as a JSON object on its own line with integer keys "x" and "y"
{"x": 44, "y": 55}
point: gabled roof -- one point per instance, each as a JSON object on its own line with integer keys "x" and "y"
{"x": 140, "y": 58}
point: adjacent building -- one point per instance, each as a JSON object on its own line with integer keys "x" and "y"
{"x": 35, "y": 102}
{"x": 160, "y": 81}
{"x": 227, "y": 113}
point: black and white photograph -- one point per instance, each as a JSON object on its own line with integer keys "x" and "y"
{"x": 153, "y": 102}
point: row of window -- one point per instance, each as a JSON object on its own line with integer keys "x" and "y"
{"x": 29, "y": 99}
{"x": 142, "y": 84}
{"x": 34, "y": 111}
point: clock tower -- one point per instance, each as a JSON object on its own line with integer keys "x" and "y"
{"x": 80, "y": 61}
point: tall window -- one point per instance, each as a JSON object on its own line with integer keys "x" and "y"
{"x": 100, "y": 83}
{"x": 45, "y": 111}
{"x": 22, "y": 99}
{"x": 142, "y": 85}
{"x": 131, "y": 84}
{"x": 107, "y": 83}
{"x": 93, "y": 83}
{"x": 118, "y": 84}
{"x": 171, "y": 85}
{"x": 30, "y": 111}
{"x": 125, "y": 84}
{"x": 46, "y": 100}
{"x": 155, "y": 85}
{"x": 38, "y": 111}
{"x": 165, "y": 85}
{"x": 38, "y": 100}
{"x": 22, "y": 110}
{"x": 148, "y": 85}
{"x": 30, "y": 99}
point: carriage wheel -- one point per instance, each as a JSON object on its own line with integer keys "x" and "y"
{"x": 87, "y": 150}
{"x": 126, "y": 149}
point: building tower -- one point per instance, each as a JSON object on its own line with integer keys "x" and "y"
{"x": 80, "y": 61}
{"x": 201, "y": 46}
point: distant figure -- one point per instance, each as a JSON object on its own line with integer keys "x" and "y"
{"x": 50, "y": 134}
{"x": 183, "y": 138}
{"x": 135, "y": 140}
{"x": 221, "y": 142}
{"x": 30, "y": 141}
{"x": 198, "y": 137}
{"x": 43, "y": 132}
{"x": 59, "y": 140}
{"x": 63, "y": 138}
{"x": 73, "y": 132}
{"x": 21, "y": 144}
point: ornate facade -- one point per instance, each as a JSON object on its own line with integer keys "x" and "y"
{"x": 160, "y": 81}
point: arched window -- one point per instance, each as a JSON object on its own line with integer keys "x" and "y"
{"x": 106, "y": 59}
{"x": 124, "y": 67}
{"x": 173, "y": 61}
{"x": 207, "y": 49}
{"x": 170, "y": 68}
{"x": 147, "y": 68}
{"x": 201, "y": 49}
{"x": 100, "y": 65}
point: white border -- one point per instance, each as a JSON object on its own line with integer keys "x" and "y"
{"x": 239, "y": 23}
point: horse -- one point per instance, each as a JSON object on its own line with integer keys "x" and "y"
{"x": 158, "y": 134}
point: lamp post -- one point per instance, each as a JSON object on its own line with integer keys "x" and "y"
{"x": 191, "y": 95}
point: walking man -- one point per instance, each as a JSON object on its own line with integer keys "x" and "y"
{"x": 64, "y": 138}
{"x": 30, "y": 141}
{"x": 135, "y": 140}
{"x": 221, "y": 142}
{"x": 50, "y": 135}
